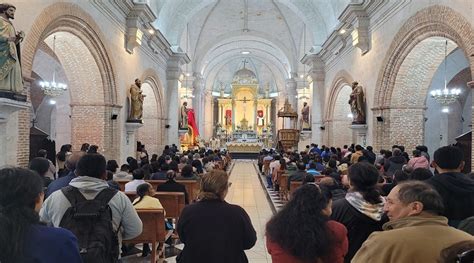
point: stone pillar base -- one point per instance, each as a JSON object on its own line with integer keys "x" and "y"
{"x": 9, "y": 129}
{"x": 305, "y": 139}
{"x": 131, "y": 137}
{"x": 359, "y": 134}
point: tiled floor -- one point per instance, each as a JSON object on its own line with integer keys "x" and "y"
{"x": 247, "y": 192}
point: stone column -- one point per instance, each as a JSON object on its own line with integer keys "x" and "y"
{"x": 9, "y": 123}
{"x": 198, "y": 87}
{"x": 173, "y": 72}
{"x": 317, "y": 74}
{"x": 471, "y": 85}
{"x": 290, "y": 85}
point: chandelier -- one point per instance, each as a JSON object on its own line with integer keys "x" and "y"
{"x": 446, "y": 96}
{"x": 53, "y": 88}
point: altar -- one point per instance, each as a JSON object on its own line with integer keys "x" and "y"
{"x": 244, "y": 136}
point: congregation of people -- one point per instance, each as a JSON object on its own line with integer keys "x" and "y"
{"x": 350, "y": 205}
{"x": 362, "y": 206}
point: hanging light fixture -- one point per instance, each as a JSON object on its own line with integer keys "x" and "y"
{"x": 53, "y": 88}
{"x": 445, "y": 96}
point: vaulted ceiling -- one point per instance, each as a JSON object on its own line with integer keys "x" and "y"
{"x": 217, "y": 34}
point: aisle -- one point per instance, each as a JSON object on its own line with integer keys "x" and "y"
{"x": 246, "y": 191}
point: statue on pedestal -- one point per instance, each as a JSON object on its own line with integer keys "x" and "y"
{"x": 305, "y": 117}
{"x": 136, "y": 101}
{"x": 11, "y": 80}
{"x": 357, "y": 102}
{"x": 183, "y": 117}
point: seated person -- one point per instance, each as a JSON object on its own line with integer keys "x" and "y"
{"x": 320, "y": 240}
{"x": 145, "y": 200}
{"x": 138, "y": 175}
{"x": 172, "y": 186}
{"x": 23, "y": 237}
{"x": 161, "y": 174}
{"x": 124, "y": 174}
{"x": 298, "y": 175}
{"x": 187, "y": 173}
{"x": 312, "y": 170}
{"x": 41, "y": 166}
{"x": 416, "y": 232}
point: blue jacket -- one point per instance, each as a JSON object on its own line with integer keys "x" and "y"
{"x": 59, "y": 183}
{"x": 50, "y": 245}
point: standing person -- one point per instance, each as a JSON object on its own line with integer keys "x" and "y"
{"x": 456, "y": 189}
{"x": 362, "y": 209}
{"x": 22, "y": 237}
{"x": 302, "y": 231}
{"x": 10, "y": 70}
{"x": 61, "y": 158}
{"x": 416, "y": 232}
{"x": 231, "y": 232}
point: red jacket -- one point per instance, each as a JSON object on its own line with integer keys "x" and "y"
{"x": 336, "y": 254}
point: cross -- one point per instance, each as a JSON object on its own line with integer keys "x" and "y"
{"x": 33, "y": 121}
{"x": 245, "y": 62}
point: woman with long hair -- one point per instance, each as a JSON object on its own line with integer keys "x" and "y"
{"x": 22, "y": 237}
{"x": 303, "y": 232}
{"x": 145, "y": 200}
{"x": 213, "y": 230}
{"x": 361, "y": 210}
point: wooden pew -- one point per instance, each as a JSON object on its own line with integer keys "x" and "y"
{"x": 294, "y": 185}
{"x": 172, "y": 202}
{"x": 283, "y": 182}
{"x": 153, "y": 231}
{"x": 192, "y": 186}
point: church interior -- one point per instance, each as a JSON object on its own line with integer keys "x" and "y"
{"x": 241, "y": 77}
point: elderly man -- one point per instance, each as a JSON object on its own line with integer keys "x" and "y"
{"x": 415, "y": 232}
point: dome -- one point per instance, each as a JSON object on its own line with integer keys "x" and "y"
{"x": 245, "y": 76}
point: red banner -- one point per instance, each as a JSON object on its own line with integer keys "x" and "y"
{"x": 228, "y": 117}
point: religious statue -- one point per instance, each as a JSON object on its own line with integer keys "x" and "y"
{"x": 183, "y": 119}
{"x": 10, "y": 71}
{"x": 357, "y": 102}
{"x": 136, "y": 101}
{"x": 305, "y": 117}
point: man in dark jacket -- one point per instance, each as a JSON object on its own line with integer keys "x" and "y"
{"x": 299, "y": 175}
{"x": 394, "y": 163}
{"x": 172, "y": 186}
{"x": 455, "y": 187}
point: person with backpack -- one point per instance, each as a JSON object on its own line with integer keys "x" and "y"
{"x": 98, "y": 215}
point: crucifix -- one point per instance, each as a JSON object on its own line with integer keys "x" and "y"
{"x": 245, "y": 103}
{"x": 245, "y": 62}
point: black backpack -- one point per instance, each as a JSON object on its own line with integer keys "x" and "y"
{"x": 91, "y": 222}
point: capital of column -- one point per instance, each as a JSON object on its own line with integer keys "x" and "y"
{"x": 290, "y": 84}
{"x": 317, "y": 70}
{"x": 198, "y": 83}
{"x": 173, "y": 70}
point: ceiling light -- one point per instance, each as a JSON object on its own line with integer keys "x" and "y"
{"x": 188, "y": 74}
{"x": 445, "y": 110}
{"x": 151, "y": 31}
{"x": 446, "y": 96}
{"x": 52, "y": 102}
{"x": 301, "y": 76}
{"x": 245, "y": 52}
{"x": 350, "y": 115}
{"x": 342, "y": 31}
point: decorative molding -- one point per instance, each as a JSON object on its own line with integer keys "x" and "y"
{"x": 139, "y": 20}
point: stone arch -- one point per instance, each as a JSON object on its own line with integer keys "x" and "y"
{"x": 152, "y": 134}
{"x": 434, "y": 21}
{"x": 70, "y": 19}
{"x": 336, "y": 113}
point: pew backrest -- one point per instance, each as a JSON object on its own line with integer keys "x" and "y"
{"x": 172, "y": 202}
{"x": 192, "y": 186}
